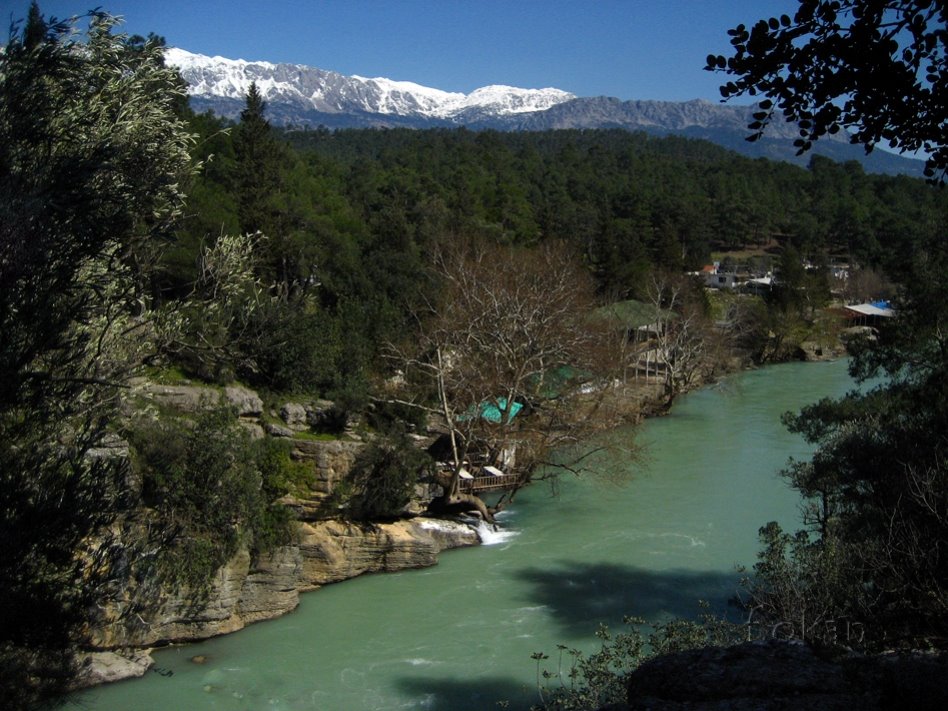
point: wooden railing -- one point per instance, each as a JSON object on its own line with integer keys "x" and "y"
{"x": 486, "y": 483}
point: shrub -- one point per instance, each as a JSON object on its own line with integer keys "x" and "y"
{"x": 211, "y": 488}
{"x": 383, "y": 478}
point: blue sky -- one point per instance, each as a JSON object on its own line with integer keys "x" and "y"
{"x": 630, "y": 49}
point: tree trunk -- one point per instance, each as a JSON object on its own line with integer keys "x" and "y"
{"x": 461, "y": 504}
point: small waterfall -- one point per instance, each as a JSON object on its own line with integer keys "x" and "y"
{"x": 492, "y": 534}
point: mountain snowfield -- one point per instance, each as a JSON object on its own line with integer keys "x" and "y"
{"x": 331, "y": 92}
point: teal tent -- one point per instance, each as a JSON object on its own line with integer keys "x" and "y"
{"x": 493, "y": 410}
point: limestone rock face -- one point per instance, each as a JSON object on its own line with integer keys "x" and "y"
{"x": 335, "y": 550}
{"x": 196, "y": 398}
{"x": 247, "y": 402}
{"x": 186, "y": 398}
{"x": 175, "y": 617}
{"x": 245, "y": 591}
{"x": 331, "y": 460}
{"x": 271, "y": 587}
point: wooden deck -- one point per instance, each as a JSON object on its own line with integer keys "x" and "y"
{"x": 484, "y": 484}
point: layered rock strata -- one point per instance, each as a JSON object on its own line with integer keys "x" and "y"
{"x": 246, "y": 590}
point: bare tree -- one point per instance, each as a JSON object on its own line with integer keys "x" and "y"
{"x": 684, "y": 339}
{"x": 511, "y": 361}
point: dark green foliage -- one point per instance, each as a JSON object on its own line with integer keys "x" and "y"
{"x": 800, "y": 291}
{"x": 802, "y": 589}
{"x": 876, "y": 489}
{"x": 257, "y": 167}
{"x": 86, "y": 185}
{"x": 630, "y": 202}
{"x": 584, "y": 682}
{"x": 295, "y": 348}
{"x": 877, "y": 68}
{"x": 212, "y": 488}
{"x": 382, "y": 479}
{"x": 355, "y": 217}
{"x": 386, "y": 416}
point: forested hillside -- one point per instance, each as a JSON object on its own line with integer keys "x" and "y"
{"x": 360, "y": 212}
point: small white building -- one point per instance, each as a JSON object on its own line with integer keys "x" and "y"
{"x": 720, "y": 280}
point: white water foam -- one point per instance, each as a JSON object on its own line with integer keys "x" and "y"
{"x": 492, "y": 535}
{"x": 421, "y": 662}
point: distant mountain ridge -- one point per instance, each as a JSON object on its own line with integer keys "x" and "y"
{"x": 303, "y": 96}
{"x": 321, "y": 91}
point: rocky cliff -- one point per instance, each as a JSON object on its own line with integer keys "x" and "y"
{"x": 245, "y": 589}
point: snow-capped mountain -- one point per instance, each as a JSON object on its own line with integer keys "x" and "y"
{"x": 302, "y": 96}
{"x": 319, "y": 90}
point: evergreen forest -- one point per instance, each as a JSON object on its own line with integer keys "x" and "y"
{"x": 361, "y": 212}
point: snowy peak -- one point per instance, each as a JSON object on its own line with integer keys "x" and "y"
{"x": 505, "y": 100}
{"x": 331, "y": 92}
{"x": 406, "y": 98}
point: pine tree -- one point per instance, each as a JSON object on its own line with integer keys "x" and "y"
{"x": 258, "y": 176}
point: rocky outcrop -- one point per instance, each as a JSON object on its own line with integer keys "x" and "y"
{"x": 336, "y": 550}
{"x": 773, "y": 675}
{"x": 196, "y": 398}
{"x": 817, "y": 352}
{"x": 244, "y": 400}
{"x": 183, "y": 398}
{"x": 247, "y": 590}
{"x": 294, "y": 415}
{"x": 299, "y": 416}
{"x": 331, "y": 460}
{"x": 104, "y": 667}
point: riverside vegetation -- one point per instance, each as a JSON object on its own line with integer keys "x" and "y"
{"x": 140, "y": 237}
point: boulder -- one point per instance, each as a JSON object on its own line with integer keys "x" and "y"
{"x": 252, "y": 427}
{"x": 294, "y": 415}
{"x": 816, "y": 352}
{"x": 104, "y": 667}
{"x": 275, "y": 430}
{"x": 245, "y": 400}
{"x": 320, "y": 413}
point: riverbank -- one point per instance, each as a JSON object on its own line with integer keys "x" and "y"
{"x": 245, "y": 591}
{"x": 459, "y": 636}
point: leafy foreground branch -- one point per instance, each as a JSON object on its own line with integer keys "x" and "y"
{"x": 86, "y": 184}
{"x": 602, "y": 678}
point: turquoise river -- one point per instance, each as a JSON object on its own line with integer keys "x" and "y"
{"x": 459, "y": 636}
